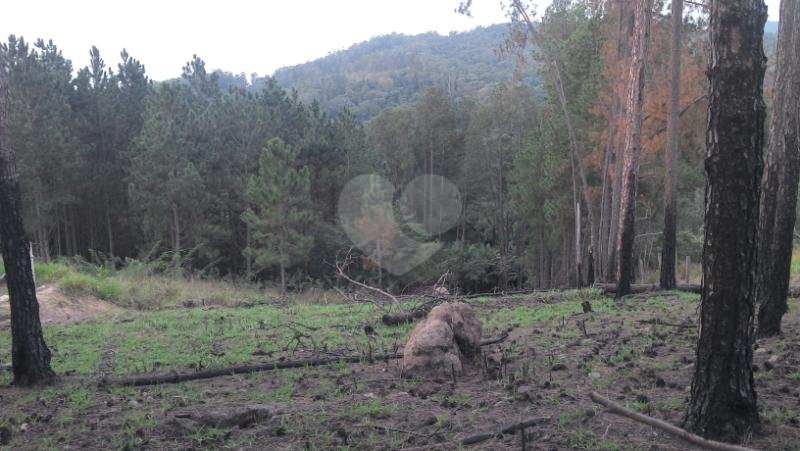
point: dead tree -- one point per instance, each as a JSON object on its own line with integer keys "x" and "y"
{"x": 722, "y": 403}
{"x": 633, "y": 146}
{"x": 626, "y": 22}
{"x": 669, "y": 250}
{"x": 30, "y": 357}
{"x": 779, "y": 182}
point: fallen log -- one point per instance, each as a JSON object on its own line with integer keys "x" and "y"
{"x": 664, "y": 426}
{"x": 510, "y": 429}
{"x": 395, "y": 319}
{"x": 658, "y": 322}
{"x": 611, "y": 288}
{"x": 176, "y": 377}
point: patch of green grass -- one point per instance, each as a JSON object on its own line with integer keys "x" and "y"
{"x": 585, "y": 440}
{"x": 51, "y": 271}
{"x": 541, "y": 314}
{"x": 372, "y": 409}
{"x": 795, "y": 267}
{"x": 795, "y": 376}
{"x": 134, "y": 429}
{"x": 777, "y": 416}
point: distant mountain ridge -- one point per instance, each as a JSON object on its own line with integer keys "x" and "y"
{"x": 393, "y": 69}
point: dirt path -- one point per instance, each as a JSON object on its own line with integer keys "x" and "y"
{"x": 57, "y": 307}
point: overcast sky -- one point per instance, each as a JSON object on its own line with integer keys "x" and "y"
{"x": 234, "y": 35}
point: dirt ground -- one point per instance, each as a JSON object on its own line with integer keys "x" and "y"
{"x": 542, "y": 373}
{"x": 56, "y": 307}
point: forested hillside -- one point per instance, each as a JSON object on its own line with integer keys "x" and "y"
{"x": 394, "y": 69}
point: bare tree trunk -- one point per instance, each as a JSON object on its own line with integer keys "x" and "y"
{"x": 30, "y": 356}
{"x": 779, "y": 182}
{"x": 578, "y": 244}
{"x": 722, "y": 403}
{"x": 626, "y": 22}
{"x": 669, "y": 251}
{"x": 176, "y": 237}
{"x": 109, "y": 231}
{"x": 633, "y": 147}
{"x": 248, "y": 259}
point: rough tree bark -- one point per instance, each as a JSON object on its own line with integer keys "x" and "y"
{"x": 30, "y": 356}
{"x": 669, "y": 251}
{"x": 722, "y": 403}
{"x": 779, "y": 182}
{"x": 633, "y": 147}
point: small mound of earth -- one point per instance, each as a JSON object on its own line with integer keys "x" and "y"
{"x": 56, "y": 307}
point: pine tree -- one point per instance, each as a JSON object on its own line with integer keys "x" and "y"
{"x": 280, "y": 214}
{"x": 30, "y": 355}
{"x": 722, "y": 403}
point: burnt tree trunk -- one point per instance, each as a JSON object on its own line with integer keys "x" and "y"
{"x": 669, "y": 251}
{"x": 779, "y": 182}
{"x": 633, "y": 147}
{"x": 30, "y": 356}
{"x": 722, "y": 403}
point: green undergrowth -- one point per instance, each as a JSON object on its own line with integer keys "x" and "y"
{"x": 137, "y": 286}
{"x": 184, "y": 339}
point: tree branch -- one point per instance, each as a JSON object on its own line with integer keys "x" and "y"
{"x": 664, "y": 426}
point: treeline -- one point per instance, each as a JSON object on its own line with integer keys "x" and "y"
{"x": 245, "y": 181}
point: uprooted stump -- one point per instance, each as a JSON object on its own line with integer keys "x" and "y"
{"x": 440, "y": 345}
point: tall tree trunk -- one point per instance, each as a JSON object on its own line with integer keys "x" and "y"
{"x": 30, "y": 356}
{"x": 669, "y": 251}
{"x": 109, "y": 230}
{"x": 248, "y": 258}
{"x": 722, "y": 403}
{"x": 626, "y": 22}
{"x": 176, "y": 237}
{"x": 633, "y": 147}
{"x": 779, "y": 182}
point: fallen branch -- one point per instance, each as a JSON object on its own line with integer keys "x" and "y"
{"x": 394, "y": 319}
{"x": 492, "y": 341}
{"x": 658, "y": 322}
{"x": 342, "y": 274}
{"x": 175, "y": 377}
{"x": 510, "y": 429}
{"x": 610, "y": 288}
{"x": 664, "y": 426}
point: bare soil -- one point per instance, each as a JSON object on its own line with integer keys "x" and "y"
{"x": 542, "y": 373}
{"x": 57, "y": 307}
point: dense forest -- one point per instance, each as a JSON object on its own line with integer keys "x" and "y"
{"x": 115, "y": 166}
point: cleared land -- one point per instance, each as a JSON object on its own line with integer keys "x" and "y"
{"x": 554, "y": 355}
